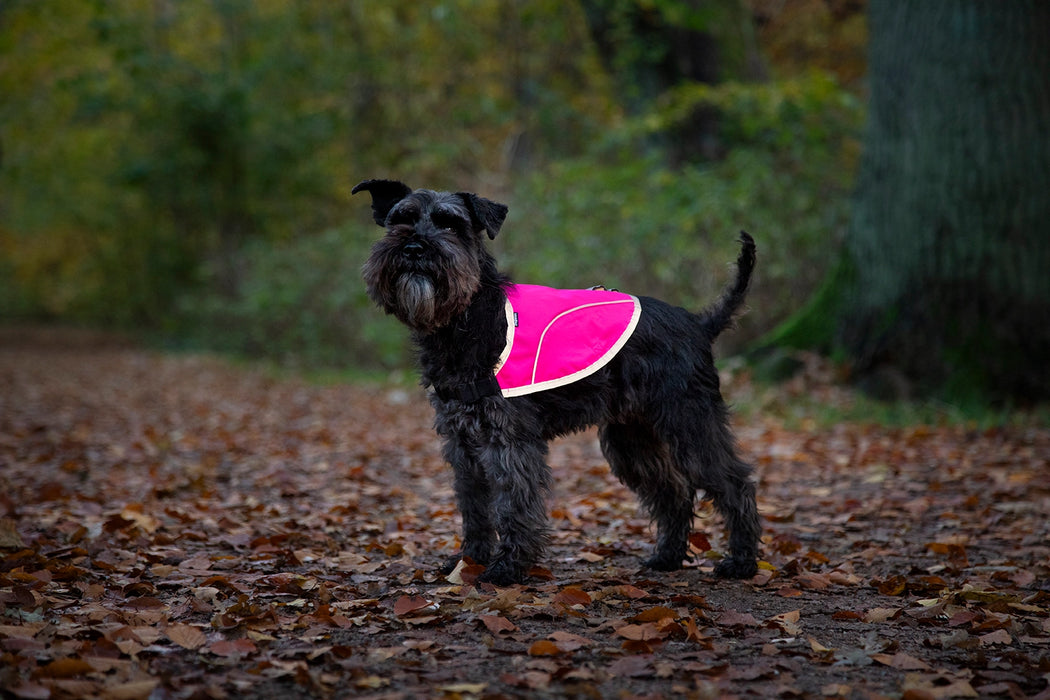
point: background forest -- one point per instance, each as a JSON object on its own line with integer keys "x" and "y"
{"x": 174, "y": 525}
{"x": 185, "y": 167}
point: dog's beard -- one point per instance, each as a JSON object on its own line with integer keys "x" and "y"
{"x": 416, "y": 302}
{"x": 423, "y": 297}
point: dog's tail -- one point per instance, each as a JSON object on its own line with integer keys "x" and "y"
{"x": 720, "y": 315}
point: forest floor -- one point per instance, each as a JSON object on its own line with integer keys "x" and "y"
{"x": 188, "y": 527}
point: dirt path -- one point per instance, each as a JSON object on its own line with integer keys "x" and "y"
{"x": 178, "y": 527}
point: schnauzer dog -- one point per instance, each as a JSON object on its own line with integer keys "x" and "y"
{"x": 653, "y": 390}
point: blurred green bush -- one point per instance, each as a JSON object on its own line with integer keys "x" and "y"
{"x": 634, "y": 222}
{"x": 184, "y": 168}
{"x": 617, "y": 216}
{"x": 302, "y": 303}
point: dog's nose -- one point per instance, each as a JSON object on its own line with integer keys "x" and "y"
{"x": 413, "y": 250}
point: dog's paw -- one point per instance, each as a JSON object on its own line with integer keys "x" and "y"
{"x": 733, "y": 567}
{"x": 664, "y": 562}
{"x": 452, "y": 562}
{"x": 502, "y": 572}
{"x": 449, "y": 565}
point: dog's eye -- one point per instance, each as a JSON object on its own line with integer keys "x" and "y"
{"x": 402, "y": 217}
{"x": 449, "y": 222}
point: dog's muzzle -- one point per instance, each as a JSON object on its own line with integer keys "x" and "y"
{"x": 413, "y": 251}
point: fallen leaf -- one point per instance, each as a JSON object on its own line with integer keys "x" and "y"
{"x": 891, "y": 586}
{"x": 641, "y": 646}
{"x": 541, "y": 572}
{"x": 466, "y": 688}
{"x": 232, "y": 647}
{"x": 567, "y": 641}
{"x": 999, "y": 636}
{"x": 792, "y": 616}
{"x": 848, "y": 615}
{"x": 881, "y": 614}
{"x": 699, "y": 542}
{"x": 534, "y": 680}
{"x": 631, "y": 667}
{"x": 812, "y": 581}
{"x": 372, "y": 682}
{"x": 544, "y": 647}
{"x": 836, "y": 690}
{"x": 817, "y": 647}
{"x": 693, "y": 634}
{"x": 924, "y": 687}
{"x": 732, "y": 618}
{"x": 135, "y": 513}
{"x": 902, "y": 661}
{"x": 465, "y": 573}
{"x": 497, "y": 624}
{"x": 408, "y": 604}
{"x": 186, "y": 636}
{"x": 64, "y": 668}
{"x": 571, "y": 595}
{"x": 844, "y": 578}
{"x": 787, "y": 622}
{"x": 643, "y": 632}
{"x": 9, "y": 537}
{"x": 131, "y": 690}
{"x": 654, "y": 614}
{"x": 629, "y": 591}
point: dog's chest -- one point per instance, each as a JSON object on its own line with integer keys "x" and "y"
{"x": 558, "y": 336}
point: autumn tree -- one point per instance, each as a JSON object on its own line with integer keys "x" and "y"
{"x": 944, "y": 286}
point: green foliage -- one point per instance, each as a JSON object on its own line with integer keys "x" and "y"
{"x": 171, "y": 165}
{"x": 796, "y": 116}
{"x": 815, "y": 325}
{"x": 143, "y": 142}
{"x": 632, "y": 222}
{"x": 611, "y": 217}
{"x": 816, "y": 408}
{"x": 301, "y": 302}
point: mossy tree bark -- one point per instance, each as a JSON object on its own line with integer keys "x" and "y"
{"x": 945, "y": 281}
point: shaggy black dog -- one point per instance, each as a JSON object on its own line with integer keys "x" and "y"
{"x": 662, "y": 422}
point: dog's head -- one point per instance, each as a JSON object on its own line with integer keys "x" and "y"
{"x": 428, "y": 266}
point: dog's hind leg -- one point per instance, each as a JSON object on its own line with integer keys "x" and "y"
{"x": 643, "y": 463}
{"x": 716, "y": 468}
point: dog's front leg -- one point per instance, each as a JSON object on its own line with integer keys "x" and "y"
{"x": 473, "y": 497}
{"x": 520, "y": 481}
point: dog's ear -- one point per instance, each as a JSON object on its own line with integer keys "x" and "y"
{"x": 385, "y": 194}
{"x": 484, "y": 213}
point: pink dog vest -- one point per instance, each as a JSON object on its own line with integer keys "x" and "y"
{"x": 559, "y": 336}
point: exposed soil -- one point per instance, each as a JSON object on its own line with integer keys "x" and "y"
{"x": 183, "y": 527}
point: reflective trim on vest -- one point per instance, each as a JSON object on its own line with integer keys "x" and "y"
{"x": 559, "y": 336}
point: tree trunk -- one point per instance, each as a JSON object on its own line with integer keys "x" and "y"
{"x": 949, "y": 248}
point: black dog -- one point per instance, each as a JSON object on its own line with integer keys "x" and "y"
{"x": 663, "y": 424}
